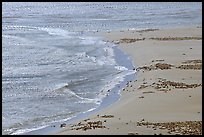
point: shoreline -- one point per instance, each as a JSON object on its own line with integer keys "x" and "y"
{"x": 168, "y": 88}
{"x": 112, "y": 96}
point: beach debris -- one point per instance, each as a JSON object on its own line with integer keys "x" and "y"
{"x": 177, "y": 38}
{"x": 189, "y": 66}
{"x": 133, "y": 133}
{"x": 144, "y": 68}
{"x": 142, "y": 86}
{"x": 195, "y": 61}
{"x": 164, "y": 84}
{"x": 86, "y": 119}
{"x": 143, "y": 120}
{"x": 182, "y": 128}
{"x": 161, "y": 66}
{"x": 63, "y": 125}
{"x": 146, "y": 30}
{"x": 148, "y": 92}
{"x": 141, "y": 97}
{"x": 88, "y": 125}
{"x": 107, "y": 116}
{"x": 127, "y": 40}
{"x": 157, "y": 60}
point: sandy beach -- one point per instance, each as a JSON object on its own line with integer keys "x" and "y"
{"x": 165, "y": 98}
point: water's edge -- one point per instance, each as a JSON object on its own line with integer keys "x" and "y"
{"x": 114, "y": 95}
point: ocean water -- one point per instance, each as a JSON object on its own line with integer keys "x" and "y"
{"x": 54, "y": 69}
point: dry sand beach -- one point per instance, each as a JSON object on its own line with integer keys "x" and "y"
{"x": 166, "y": 97}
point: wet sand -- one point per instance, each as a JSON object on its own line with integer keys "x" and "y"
{"x": 166, "y": 97}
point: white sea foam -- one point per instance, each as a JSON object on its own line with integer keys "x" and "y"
{"x": 56, "y": 31}
{"x": 117, "y": 79}
{"x": 65, "y": 90}
{"x": 51, "y": 31}
{"x": 90, "y": 110}
{"x": 19, "y": 27}
{"x": 23, "y": 131}
{"x": 121, "y": 68}
{"x": 88, "y": 40}
{"x": 108, "y": 57}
